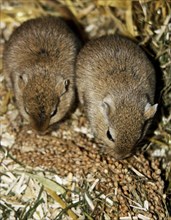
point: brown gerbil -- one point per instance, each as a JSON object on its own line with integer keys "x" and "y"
{"x": 116, "y": 83}
{"x": 39, "y": 64}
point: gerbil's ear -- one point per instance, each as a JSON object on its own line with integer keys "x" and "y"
{"x": 106, "y": 103}
{"x": 105, "y": 108}
{"x": 150, "y": 110}
{"x": 22, "y": 81}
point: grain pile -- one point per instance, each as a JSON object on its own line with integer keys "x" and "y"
{"x": 133, "y": 187}
{"x": 92, "y": 185}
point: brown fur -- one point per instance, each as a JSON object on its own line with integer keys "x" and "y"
{"x": 116, "y": 83}
{"x": 39, "y": 64}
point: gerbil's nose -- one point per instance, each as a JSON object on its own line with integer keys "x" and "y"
{"x": 42, "y": 133}
{"x": 40, "y": 126}
{"x": 42, "y": 129}
{"x": 122, "y": 156}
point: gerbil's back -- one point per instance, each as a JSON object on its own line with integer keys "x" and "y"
{"x": 39, "y": 38}
{"x": 114, "y": 61}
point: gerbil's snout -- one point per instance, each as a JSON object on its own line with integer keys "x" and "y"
{"x": 124, "y": 148}
{"x": 118, "y": 152}
{"x": 122, "y": 156}
{"x": 40, "y": 125}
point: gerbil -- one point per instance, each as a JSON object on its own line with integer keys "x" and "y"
{"x": 116, "y": 83}
{"x": 39, "y": 64}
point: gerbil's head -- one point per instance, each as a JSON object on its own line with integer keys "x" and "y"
{"x": 125, "y": 124}
{"x": 41, "y": 97}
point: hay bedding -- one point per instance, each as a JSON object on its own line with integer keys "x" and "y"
{"x": 64, "y": 175}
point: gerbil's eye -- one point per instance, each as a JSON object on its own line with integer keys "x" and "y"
{"x": 110, "y": 136}
{"x": 66, "y": 85}
{"x": 53, "y": 112}
{"x": 20, "y": 76}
